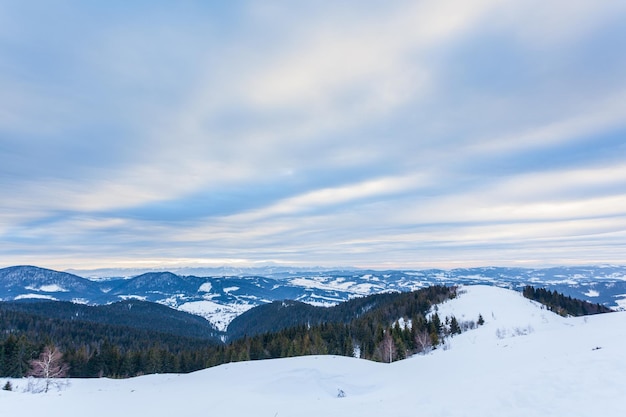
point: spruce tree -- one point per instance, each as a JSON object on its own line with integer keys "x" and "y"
{"x": 454, "y": 326}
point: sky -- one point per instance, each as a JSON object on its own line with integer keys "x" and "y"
{"x": 398, "y": 134}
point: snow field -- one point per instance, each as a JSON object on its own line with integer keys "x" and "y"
{"x": 563, "y": 367}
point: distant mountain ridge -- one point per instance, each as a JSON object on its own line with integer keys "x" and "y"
{"x": 19, "y": 282}
{"x": 220, "y": 299}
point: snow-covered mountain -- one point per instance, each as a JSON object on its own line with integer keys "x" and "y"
{"x": 524, "y": 361}
{"x": 222, "y": 298}
{"x": 30, "y": 282}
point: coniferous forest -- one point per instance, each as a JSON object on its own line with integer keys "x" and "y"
{"x": 93, "y": 349}
{"x": 381, "y": 327}
{"x": 561, "y": 304}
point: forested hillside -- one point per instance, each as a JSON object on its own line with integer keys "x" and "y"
{"x": 284, "y": 314}
{"x": 366, "y": 327}
{"x": 96, "y": 349}
{"x": 136, "y": 314}
{"x": 383, "y": 327}
{"x": 561, "y": 304}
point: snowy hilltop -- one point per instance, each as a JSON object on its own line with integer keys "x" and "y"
{"x": 220, "y": 299}
{"x": 524, "y": 361}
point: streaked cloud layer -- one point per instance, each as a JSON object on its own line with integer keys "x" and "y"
{"x": 374, "y": 134}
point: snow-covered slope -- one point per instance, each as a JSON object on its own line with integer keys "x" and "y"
{"x": 525, "y": 361}
{"x": 220, "y": 299}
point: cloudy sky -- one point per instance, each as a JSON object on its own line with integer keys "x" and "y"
{"x": 385, "y": 134}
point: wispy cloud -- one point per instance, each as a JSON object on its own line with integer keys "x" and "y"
{"x": 404, "y": 134}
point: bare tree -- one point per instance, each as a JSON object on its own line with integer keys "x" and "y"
{"x": 423, "y": 342}
{"x": 49, "y": 367}
{"x": 388, "y": 348}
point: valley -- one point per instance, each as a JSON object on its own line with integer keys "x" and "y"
{"x": 220, "y": 299}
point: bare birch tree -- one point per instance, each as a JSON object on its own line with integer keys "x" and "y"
{"x": 423, "y": 342}
{"x": 388, "y": 348}
{"x": 49, "y": 367}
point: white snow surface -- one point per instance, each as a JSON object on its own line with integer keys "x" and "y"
{"x": 563, "y": 367}
{"x": 37, "y": 296}
{"x": 47, "y": 288}
{"x": 326, "y": 283}
{"x": 621, "y": 302}
{"x": 219, "y": 315}
{"x": 133, "y": 297}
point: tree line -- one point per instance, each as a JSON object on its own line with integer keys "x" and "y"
{"x": 402, "y": 325}
{"x": 561, "y": 304}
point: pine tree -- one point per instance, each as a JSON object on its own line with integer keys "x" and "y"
{"x": 454, "y": 326}
{"x": 436, "y": 323}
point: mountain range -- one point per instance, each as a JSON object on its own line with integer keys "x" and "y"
{"x": 220, "y": 299}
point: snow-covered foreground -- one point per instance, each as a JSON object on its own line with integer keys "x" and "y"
{"x": 525, "y": 361}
